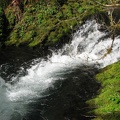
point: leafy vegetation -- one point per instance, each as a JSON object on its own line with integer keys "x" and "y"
{"x": 107, "y": 102}
{"x": 4, "y": 3}
{"x": 47, "y": 22}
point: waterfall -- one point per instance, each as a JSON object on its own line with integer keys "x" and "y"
{"x": 87, "y": 47}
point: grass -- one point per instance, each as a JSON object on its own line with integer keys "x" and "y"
{"x": 107, "y": 102}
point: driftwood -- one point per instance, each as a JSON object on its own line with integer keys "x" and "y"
{"x": 114, "y": 6}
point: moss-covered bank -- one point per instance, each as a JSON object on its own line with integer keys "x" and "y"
{"x": 48, "y": 23}
{"x": 107, "y": 102}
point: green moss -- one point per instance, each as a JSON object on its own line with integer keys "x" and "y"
{"x": 14, "y": 37}
{"x": 36, "y": 41}
{"x": 10, "y": 17}
{"x": 28, "y": 37}
{"x": 51, "y": 21}
{"x": 107, "y": 103}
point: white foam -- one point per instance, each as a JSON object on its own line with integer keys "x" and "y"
{"x": 87, "y": 47}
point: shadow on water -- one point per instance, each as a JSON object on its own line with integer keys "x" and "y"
{"x": 12, "y": 58}
{"x": 66, "y": 100}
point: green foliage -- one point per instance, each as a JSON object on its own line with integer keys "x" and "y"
{"x": 107, "y": 103}
{"x": 4, "y": 3}
{"x": 40, "y": 18}
{"x": 51, "y": 21}
{"x": 10, "y": 17}
{"x": 14, "y": 36}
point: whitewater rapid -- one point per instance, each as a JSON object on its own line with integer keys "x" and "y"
{"x": 86, "y": 48}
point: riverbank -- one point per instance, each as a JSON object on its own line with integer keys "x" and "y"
{"x": 45, "y": 24}
{"x": 107, "y": 102}
{"x": 51, "y": 23}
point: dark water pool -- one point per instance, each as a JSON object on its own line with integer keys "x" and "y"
{"x": 65, "y": 100}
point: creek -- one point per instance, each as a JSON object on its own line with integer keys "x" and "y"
{"x": 56, "y": 87}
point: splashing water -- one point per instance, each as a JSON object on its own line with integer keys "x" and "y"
{"x": 87, "y": 48}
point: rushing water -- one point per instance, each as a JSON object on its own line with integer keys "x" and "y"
{"x": 52, "y": 88}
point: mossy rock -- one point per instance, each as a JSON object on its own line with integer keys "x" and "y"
{"x": 107, "y": 102}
